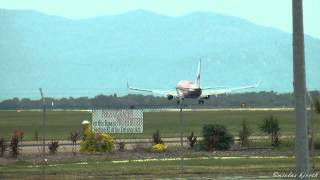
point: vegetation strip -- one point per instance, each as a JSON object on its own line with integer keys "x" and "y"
{"x": 175, "y": 159}
{"x": 204, "y": 158}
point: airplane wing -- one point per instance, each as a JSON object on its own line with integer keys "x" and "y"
{"x": 214, "y": 91}
{"x": 215, "y": 87}
{"x": 166, "y": 93}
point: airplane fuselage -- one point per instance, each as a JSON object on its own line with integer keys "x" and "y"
{"x": 188, "y": 89}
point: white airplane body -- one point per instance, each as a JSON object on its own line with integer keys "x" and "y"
{"x": 192, "y": 89}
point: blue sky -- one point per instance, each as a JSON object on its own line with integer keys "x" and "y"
{"x": 275, "y": 13}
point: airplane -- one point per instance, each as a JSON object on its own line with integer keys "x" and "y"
{"x": 192, "y": 89}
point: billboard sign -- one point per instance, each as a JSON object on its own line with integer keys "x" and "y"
{"x": 117, "y": 121}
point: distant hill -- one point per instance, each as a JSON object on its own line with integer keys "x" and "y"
{"x": 97, "y": 55}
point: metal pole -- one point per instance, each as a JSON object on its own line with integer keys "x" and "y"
{"x": 312, "y": 130}
{"x": 312, "y": 136}
{"x": 301, "y": 134}
{"x": 43, "y": 134}
{"x": 181, "y": 125}
{"x": 181, "y": 136}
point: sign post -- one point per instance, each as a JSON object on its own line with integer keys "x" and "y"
{"x": 43, "y": 134}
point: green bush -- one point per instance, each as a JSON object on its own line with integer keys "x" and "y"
{"x": 215, "y": 137}
{"x": 270, "y": 126}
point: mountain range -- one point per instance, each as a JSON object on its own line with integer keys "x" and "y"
{"x": 86, "y": 57}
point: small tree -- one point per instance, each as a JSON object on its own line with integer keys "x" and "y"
{"x": 19, "y": 134}
{"x": 74, "y": 137}
{"x": 192, "y": 140}
{"x": 14, "y": 146}
{"x": 157, "y": 138}
{"x": 37, "y": 139}
{"x": 36, "y": 135}
{"x": 244, "y": 134}
{"x": 216, "y": 137}
{"x": 2, "y": 147}
{"x": 271, "y": 127}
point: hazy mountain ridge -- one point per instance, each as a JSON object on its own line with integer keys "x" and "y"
{"x": 97, "y": 55}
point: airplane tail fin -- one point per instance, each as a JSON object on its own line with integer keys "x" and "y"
{"x": 198, "y": 75}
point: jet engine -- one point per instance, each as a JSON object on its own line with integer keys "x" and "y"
{"x": 169, "y": 97}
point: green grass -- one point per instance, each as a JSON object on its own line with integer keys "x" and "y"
{"x": 61, "y": 123}
{"x": 193, "y": 167}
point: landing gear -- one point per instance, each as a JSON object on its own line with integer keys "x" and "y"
{"x": 201, "y": 101}
{"x": 178, "y": 102}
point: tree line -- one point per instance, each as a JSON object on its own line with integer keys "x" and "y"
{"x": 249, "y": 99}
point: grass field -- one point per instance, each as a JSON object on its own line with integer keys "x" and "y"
{"x": 61, "y": 123}
{"x": 254, "y": 167}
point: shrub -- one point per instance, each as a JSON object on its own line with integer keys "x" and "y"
{"x": 88, "y": 144}
{"x": 244, "y": 134}
{"x": 87, "y": 131}
{"x": 2, "y": 147}
{"x": 216, "y": 137}
{"x": 270, "y": 126}
{"x": 104, "y": 142}
{"x": 159, "y": 147}
{"x": 53, "y": 146}
{"x": 158, "y": 144}
{"x": 14, "y": 145}
{"x": 192, "y": 139}
{"x": 19, "y": 134}
{"x": 157, "y": 138}
{"x": 96, "y": 142}
{"x": 74, "y": 137}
